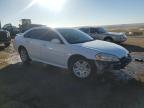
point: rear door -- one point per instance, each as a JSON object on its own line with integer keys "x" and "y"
{"x": 33, "y": 43}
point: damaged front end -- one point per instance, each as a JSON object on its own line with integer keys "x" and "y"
{"x": 103, "y": 66}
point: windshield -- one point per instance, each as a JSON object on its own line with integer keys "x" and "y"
{"x": 101, "y": 30}
{"x": 74, "y": 36}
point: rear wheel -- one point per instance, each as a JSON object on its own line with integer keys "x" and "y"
{"x": 81, "y": 68}
{"x": 108, "y": 39}
{"x": 24, "y": 56}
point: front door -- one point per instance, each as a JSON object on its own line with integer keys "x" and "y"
{"x": 52, "y": 52}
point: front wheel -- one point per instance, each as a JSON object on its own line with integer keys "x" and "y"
{"x": 81, "y": 68}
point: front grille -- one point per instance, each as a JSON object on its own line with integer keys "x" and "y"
{"x": 123, "y": 62}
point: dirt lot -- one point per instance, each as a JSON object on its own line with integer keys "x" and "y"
{"x": 43, "y": 86}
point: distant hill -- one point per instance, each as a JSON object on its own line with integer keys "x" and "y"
{"x": 136, "y": 29}
{"x": 126, "y": 26}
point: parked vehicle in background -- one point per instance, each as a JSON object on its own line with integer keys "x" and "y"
{"x": 5, "y": 38}
{"x": 102, "y": 34}
{"x": 12, "y": 29}
{"x": 70, "y": 49}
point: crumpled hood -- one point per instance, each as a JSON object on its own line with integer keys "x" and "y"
{"x": 114, "y": 33}
{"x": 106, "y": 47}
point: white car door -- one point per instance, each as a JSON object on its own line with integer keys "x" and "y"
{"x": 33, "y": 48}
{"x": 33, "y": 43}
{"x": 54, "y": 51}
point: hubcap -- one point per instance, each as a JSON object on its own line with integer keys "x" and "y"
{"x": 82, "y": 69}
{"x": 23, "y": 55}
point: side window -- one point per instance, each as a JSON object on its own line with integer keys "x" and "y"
{"x": 28, "y": 34}
{"x": 36, "y": 34}
{"x": 42, "y": 34}
{"x": 50, "y": 35}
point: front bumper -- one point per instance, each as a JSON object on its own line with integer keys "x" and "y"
{"x": 123, "y": 62}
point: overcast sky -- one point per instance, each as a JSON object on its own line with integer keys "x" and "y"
{"x": 73, "y": 12}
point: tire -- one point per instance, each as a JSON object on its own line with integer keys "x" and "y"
{"x": 24, "y": 56}
{"x": 82, "y": 68}
{"x": 108, "y": 39}
{"x": 6, "y": 44}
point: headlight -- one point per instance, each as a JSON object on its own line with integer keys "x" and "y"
{"x": 106, "y": 57}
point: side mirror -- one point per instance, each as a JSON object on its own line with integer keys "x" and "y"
{"x": 55, "y": 41}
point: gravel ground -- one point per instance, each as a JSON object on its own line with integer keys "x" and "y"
{"x": 42, "y": 86}
{"x": 134, "y": 70}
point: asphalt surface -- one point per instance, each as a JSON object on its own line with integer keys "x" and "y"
{"x": 42, "y": 86}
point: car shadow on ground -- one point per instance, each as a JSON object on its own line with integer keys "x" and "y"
{"x": 42, "y": 86}
{"x": 133, "y": 48}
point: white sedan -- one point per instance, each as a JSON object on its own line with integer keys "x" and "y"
{"x": 70, "y": 49}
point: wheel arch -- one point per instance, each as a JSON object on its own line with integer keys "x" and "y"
{"x": 20, "y": 47}
{"x": 109, "y": 37}
{"x": 72, "y": 57}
